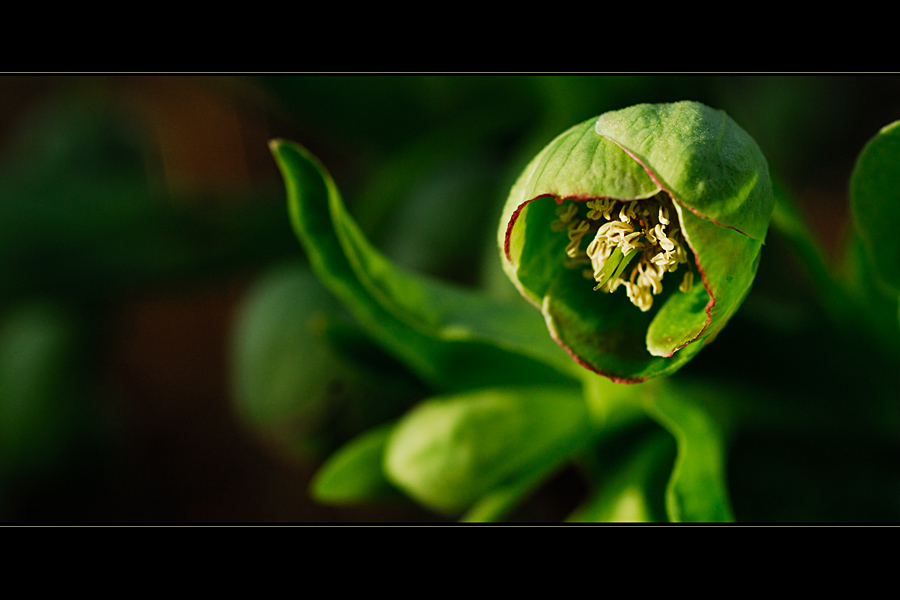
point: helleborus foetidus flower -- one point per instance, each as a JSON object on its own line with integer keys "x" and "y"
{"x": 638, "y": 234}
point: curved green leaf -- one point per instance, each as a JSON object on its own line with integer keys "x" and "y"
{"x": 604, "y": 332}
{"x": 578, "y": 161}
{"x": 450, "y": 337}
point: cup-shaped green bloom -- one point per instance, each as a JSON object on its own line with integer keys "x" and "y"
{"x": 638, "y": 234}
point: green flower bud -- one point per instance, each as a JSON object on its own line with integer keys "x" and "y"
{"x": 638, "y": 234}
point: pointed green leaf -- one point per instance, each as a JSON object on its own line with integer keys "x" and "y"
{"x": 452, "y": 338}
{"x": 443, "y": 311}
{"x": 354, "y": 474}
{"x": 312, "y": 195}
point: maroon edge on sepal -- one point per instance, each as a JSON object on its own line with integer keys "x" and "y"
{"x": 615, "y": 379}
{"x": 708, "y": 308}
{"x": 515, "y": 214}
{"x": 509, "y": 228}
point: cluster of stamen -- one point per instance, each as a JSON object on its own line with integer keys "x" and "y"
{"x": 642, "y": 233}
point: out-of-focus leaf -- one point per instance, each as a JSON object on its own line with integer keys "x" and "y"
{"x": 303, "y": 373}
{"x": 873, "y": 308}
{"x": 437, "y": 224}
{"x": 499, "y": 502}
{"x": 378, "y": 115}
{"x": 452, "y": 338}
{"x": 354, "y": 473}
{"x": 875, "y": 202}
{"x": 628, "y": 494}
{"x": 41, "y": 411}
{"x": 788, "y": 220}
{"x": 81, "y": 215}
{"x": 450, "y": 452}
{"x": 282, "y": 370}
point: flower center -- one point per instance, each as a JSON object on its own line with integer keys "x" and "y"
{"x": 642, "y": 234}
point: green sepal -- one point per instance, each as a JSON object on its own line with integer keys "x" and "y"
{"x": 705, "y": 160}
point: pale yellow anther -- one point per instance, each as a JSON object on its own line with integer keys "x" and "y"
{"x": 565, "y": 214}
{"x": 660, "y": 259}
{"x": 599, "y": 209}
{"x": 596, "y": 246}
{"x": 639, "y": 229}
{"x": 629, "y": 241}
{"x": 648, "y": 277}
{"x": 576, "y": 232}
{"x": 639, "y": 296}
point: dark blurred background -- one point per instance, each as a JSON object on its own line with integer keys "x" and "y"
{"x": 148, "y": 268}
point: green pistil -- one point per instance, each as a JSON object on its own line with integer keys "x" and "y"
{"x": 615, "y": 266}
